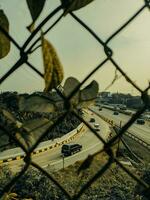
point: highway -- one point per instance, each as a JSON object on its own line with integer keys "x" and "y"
{"x": 141, "y": 131}
{"x": 53, "y": 159}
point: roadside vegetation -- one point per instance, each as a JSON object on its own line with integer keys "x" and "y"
{"x": 69, "y": 123}
{"x": 114, "y": 184}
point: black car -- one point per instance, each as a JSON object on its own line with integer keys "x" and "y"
{"x": 97, "y": 129}
{"x": 100, "y": 108}
{"x": 116, "y": 113}
{"x": 69, "y": 149}
{"x": 140, "y": 121}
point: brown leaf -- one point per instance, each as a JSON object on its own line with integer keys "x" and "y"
{"x": 70, "y": 84}
{"x": 83, "y": 97}
{"x": 31, "y": 131}
{"x": 10, "y": 196}
{"x": 4, "y": 41}
{"x": 53, "y": 70}
{"x": 86, "y": 164}
{"x": 36, "y": 103}
{"x": 35, "y": 7}
{"x": 89, "y": 92}
{"x": 26, "y": 139}
{"x": 71, "y": 5}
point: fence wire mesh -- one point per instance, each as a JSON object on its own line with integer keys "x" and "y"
{"x": 25, "y": 50}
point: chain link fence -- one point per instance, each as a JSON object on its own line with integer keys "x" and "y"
{"x": 25, "y": 50}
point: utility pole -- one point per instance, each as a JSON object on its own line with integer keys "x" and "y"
{"x": 63, "y": 157}
{"x": 120, "y": 125}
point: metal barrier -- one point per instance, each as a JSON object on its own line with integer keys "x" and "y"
{"x": 139, "y": 140}
{"x": 18, "y": 154}
{"x": 27, "y": 48}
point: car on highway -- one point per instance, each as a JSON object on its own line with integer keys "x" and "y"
{"x": 96, "y": 125}
{"x": 70, "y": 149}
{"x": 140, "y": 121}
{"x": 146, "y": 117}
{"x": 115, "y": 113}
{"x": 97, "y": 129}
{"x": 100, "y": 108}
{"x": 92, "y": 119}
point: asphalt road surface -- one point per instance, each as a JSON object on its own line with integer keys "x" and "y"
{"x": 53, "y": 160}
{"x": 141, "y": 131}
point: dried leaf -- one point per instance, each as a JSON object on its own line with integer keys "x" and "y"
{"x": 53, "y": 74}
{"x": 35, "y": 7}
{"x": 36, "y": 103}
{"x": 8, "y": 115}
{"x": 89, "y": 92}
{"x": 71, "y": 5}
{"x": 22, "y": 132}
{"x": 81, "y": 97}
{"x": 26, "y": 139}
{"x": 86, "y": 164}
{"x": 4, "y": 41}
{"x": 10, "y": 196}
{"x": 70, "y": 84}
{"x": 32, "y": 130}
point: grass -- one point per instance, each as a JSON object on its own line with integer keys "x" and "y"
{"x": 114, "y": 184}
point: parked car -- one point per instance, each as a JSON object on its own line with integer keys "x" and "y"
{"x": 92, "y": 119}
{"x": 69, "y": 149}
{"x": 116, "y": 113}
{"x": 140, "y": 121}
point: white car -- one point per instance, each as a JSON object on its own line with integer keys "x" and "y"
{"x": 96, "y": 125}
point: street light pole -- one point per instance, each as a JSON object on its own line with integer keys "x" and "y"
{"x": 63, "y": 157}
{"x": 120, "y": 125}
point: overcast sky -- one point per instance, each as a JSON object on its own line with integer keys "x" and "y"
{"x": 78, "y": 51}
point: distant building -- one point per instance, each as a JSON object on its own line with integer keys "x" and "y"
{"x": 134, "y": 102}
{"x": 105, "y": 94}
{"x": 120, "y": 99}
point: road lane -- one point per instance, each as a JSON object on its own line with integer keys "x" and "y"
{"x": 52, "y": 158}
{"x": 141, "y": 131}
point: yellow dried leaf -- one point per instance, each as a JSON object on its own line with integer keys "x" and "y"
{"x": 10, "y": 196}
{"x": 4, "y": 41}
{"x": 53, "y": 70}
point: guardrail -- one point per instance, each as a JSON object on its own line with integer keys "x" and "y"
{"x": 138, "y": 140}
{"x": 18, "y": 154}
{"x": 119, "y": 110}
{"x": 111, "y": 122}
{"x": 126, "y": 112}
